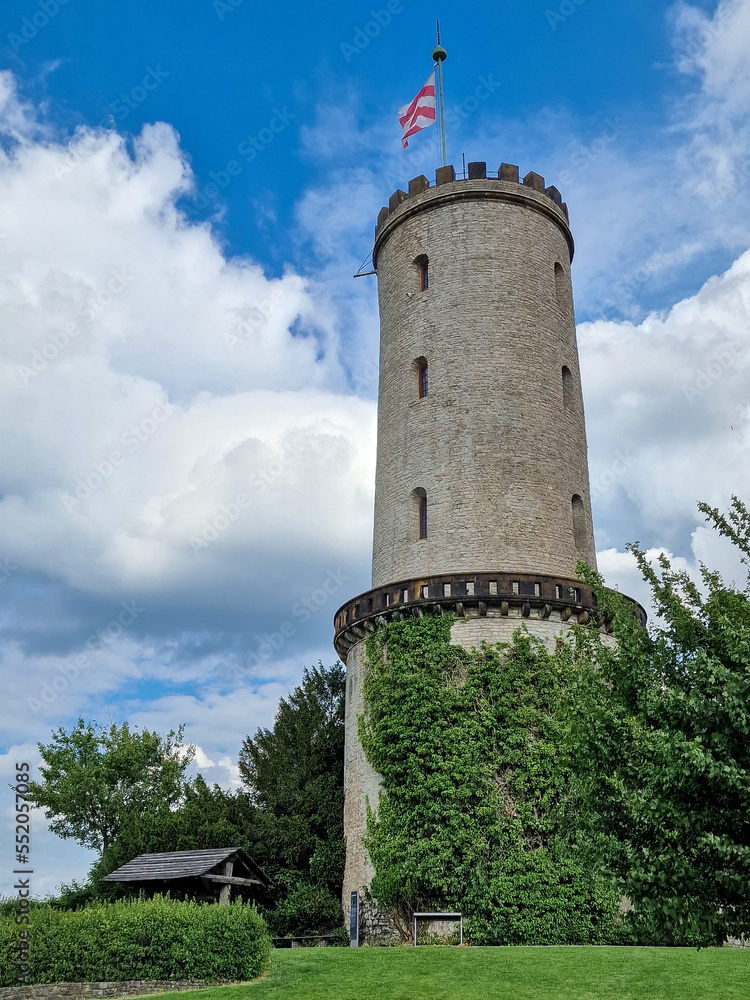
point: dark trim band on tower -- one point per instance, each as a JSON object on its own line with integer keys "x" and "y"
{"x": 468, "y": 595}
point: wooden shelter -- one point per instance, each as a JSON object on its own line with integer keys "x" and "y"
{"x": 201, "y": 873}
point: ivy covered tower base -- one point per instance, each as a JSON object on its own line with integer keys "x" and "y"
{"x": 482, "y": 505}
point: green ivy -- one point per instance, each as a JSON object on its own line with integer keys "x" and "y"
{"x": 478, "y": 809}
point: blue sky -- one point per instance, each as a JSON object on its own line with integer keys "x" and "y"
{"x": 218, "y": 73}
{"x": 185, "y": 193}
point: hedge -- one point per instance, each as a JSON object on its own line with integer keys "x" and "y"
{"x": 158, "y": 938}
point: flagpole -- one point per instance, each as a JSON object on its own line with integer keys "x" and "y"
{"x": 439, "y": 56}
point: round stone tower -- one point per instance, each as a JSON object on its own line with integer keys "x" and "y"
{"x": 482, "y": 503}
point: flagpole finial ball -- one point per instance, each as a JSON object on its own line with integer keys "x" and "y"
{"x": 439, "y": 54}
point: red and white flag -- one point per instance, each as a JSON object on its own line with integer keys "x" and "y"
{"x": 420, "y": 113}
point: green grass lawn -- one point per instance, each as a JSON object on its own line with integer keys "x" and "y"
{"x": 479, "y": 973}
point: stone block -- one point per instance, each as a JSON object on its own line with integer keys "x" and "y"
{"x": 445, "y": 175}
{"x": 508, "y": 172}
{"x": 418, "y": 184}
{"x": 535, "y": 181}
{"x": 477, "y": 171}
{"x": 396, "y": 199}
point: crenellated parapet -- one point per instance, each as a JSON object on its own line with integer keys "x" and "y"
{"x": 504, "y": 181}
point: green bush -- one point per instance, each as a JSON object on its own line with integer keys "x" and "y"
{"x": 306, "y": 910}
{"x": 158, "y": 938}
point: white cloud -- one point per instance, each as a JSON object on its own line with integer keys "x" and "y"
{"x": 667, "y": 411}
{"x": 147, "y": 383}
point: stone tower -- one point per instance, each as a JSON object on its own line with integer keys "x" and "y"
{"x": 482, "y": 490}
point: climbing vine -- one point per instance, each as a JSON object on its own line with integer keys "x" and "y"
{"x": 477, "y": 809}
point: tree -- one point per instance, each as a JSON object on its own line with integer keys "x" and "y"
{"x": 205, "y": 818}
{"x": 95, "y": 777}
{"x": 660, "y": 735}
{"x": 294, "y": 774}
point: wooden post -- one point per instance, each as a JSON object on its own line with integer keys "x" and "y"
{"x": 226, "y": 890}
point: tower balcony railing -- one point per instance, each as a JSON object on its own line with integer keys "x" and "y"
{"x": 514, "y": 595}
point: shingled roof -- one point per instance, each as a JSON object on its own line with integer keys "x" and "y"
{"x": 173, "y": 865}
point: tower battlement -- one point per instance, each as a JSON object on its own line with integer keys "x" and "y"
{"x": 506, "y": 182}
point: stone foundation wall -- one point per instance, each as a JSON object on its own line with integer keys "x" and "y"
{"x": 84, "y": 991}
{"x": 361, "y": 782}
{"x": 472, "y": 632}
{"x": 375, "y": 928}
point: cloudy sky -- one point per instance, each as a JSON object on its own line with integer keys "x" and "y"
{"x": 188, "y": 370}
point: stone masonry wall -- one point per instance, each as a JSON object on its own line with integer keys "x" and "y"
{"x": 497, "y": 450}
{"x": 84, "y": 991}
{"x": 361, "y": 781}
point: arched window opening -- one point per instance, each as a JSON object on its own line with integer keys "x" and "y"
{"x": 423, "y": 269}
{"x": 421, "y": 498}
{"x": 423, "y": 381}
{"x": 579, "y": 523}
{"x": 423, "y": 385}
{"x": 561, "y": 288}
{"x": 567, "y": 385}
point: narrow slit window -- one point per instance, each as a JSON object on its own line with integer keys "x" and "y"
{"x": 446, "y": 590}
{"x": 423, "y": 517}
{"x": 470, "y": 589}
{"x": 537, "y": 590}
{"x": 516, "y": 587}
{"x": 493, "y": 588}
{"x": 423, "y": 381}
{"x": 419, "y": 512}
{"x": 424, "y": 590}
{"x": 404, "y": 596}
{"x": 561, "y": 288}
{"x": 579, "y": 523}
{"x": 423, "y": 269}
{"x": 567, "y": 387}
